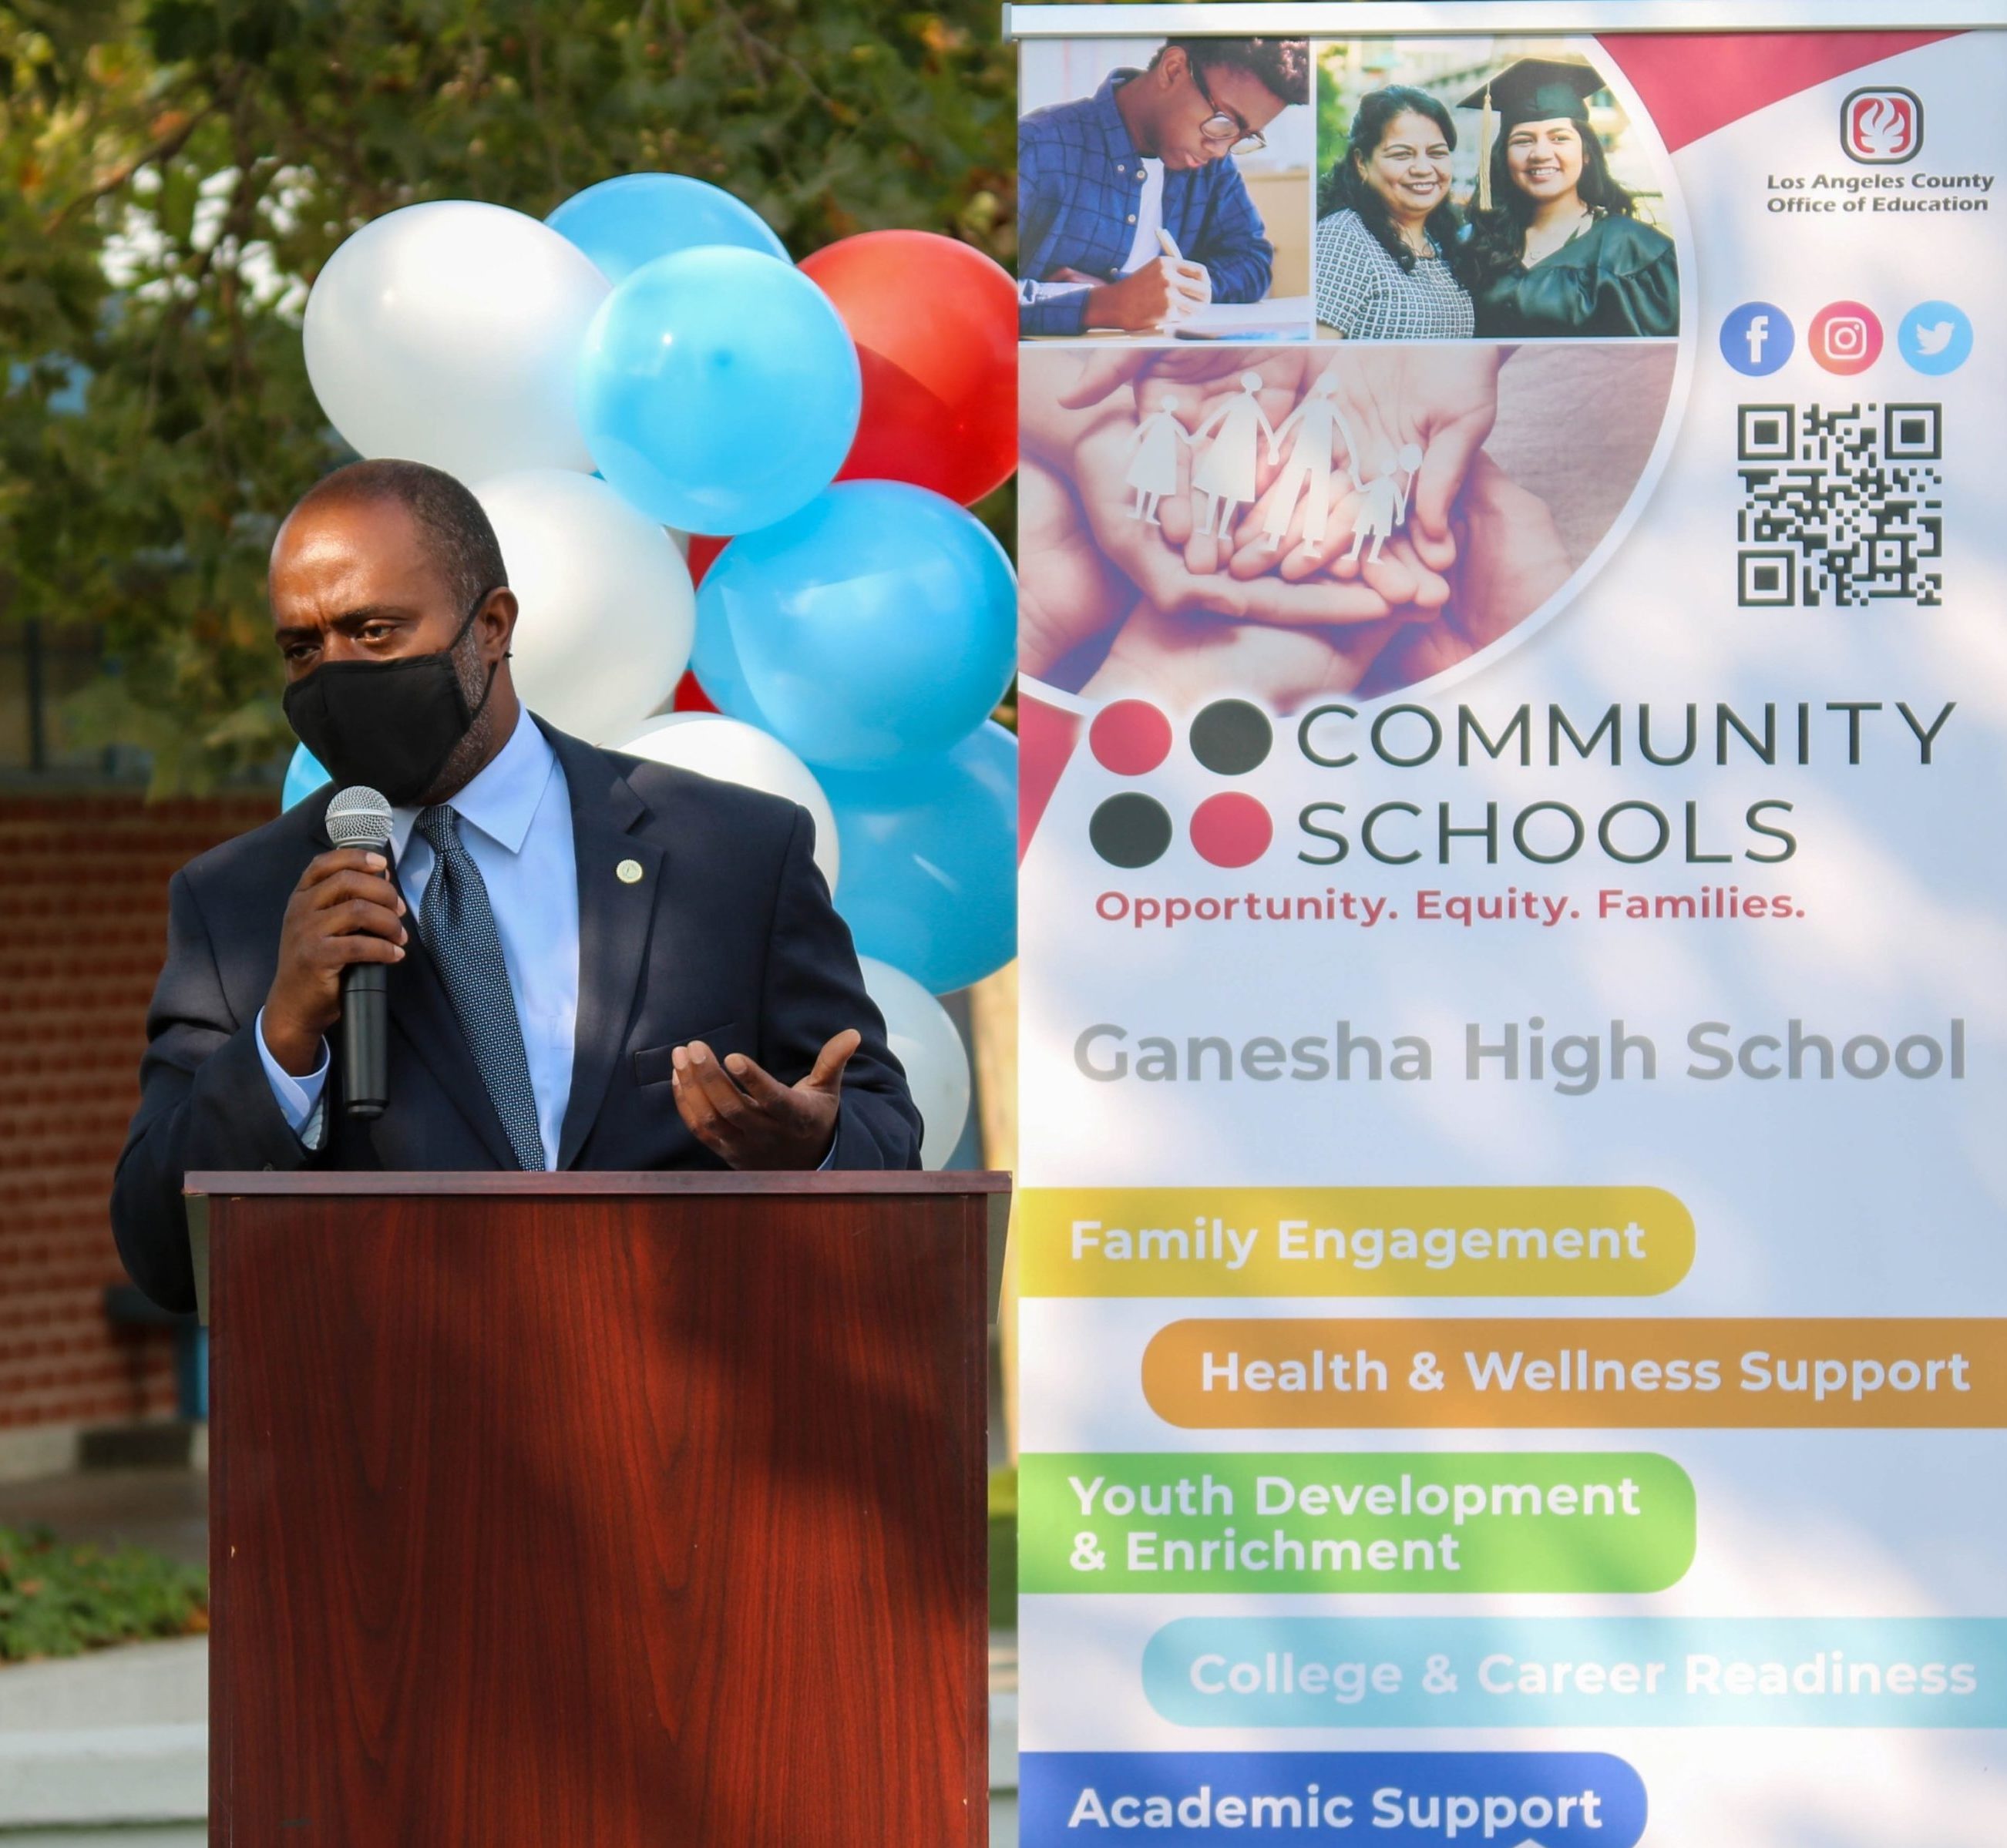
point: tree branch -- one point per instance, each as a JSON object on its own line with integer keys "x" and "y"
{"x": 164, "y": 149}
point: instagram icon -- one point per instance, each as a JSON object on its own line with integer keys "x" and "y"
{"x": 1845, "y": 338}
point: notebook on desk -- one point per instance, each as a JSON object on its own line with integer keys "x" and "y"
{"x": 1280, "y": 318}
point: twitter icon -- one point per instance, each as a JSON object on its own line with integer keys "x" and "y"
{"x": 1935, "y": 338}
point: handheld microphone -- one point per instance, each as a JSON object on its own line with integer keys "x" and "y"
{"x": 360, "y": 817}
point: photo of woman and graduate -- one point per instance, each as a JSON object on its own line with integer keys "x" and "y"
{"x": 1468, "y": 193}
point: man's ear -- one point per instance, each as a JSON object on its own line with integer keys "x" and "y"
{"x": 496, "y": 623}
{"x": 1172, "y": 64}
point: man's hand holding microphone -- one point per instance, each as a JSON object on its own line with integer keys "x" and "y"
{"x": 345, "y": 910}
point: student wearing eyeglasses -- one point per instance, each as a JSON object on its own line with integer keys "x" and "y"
{"x": 1131, "y": 211}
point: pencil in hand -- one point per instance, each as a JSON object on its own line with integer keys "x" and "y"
{"x": 1192, "y": 281}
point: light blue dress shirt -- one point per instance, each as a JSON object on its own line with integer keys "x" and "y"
{"x": 515, "y": 822}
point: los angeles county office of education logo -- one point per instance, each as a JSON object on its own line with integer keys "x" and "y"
{"x": 1229, "y": 738}
{"x": 1881, "y": 127}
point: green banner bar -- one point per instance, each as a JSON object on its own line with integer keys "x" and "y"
{"x": 1436, "y": 1523}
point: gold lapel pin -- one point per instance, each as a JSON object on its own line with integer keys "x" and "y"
{"x": 628, "y": 871}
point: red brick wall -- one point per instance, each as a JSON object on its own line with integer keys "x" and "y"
{"x": 83, "y": 884}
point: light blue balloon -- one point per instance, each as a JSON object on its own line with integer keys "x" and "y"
{"x": 303, "y": 775}
{"x": 718, "y": 390}
{"x": 623, "y": 223}
{"x": 715, "y": 662}
{"x": 878, "y": 624}
{"x": 930, "y": 860}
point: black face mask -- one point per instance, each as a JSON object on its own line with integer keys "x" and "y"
{"x": 390, "y": 724}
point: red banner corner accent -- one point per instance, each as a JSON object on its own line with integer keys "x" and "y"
{"x": 1046, "y": 737}
{"x": 1692, "y": 83}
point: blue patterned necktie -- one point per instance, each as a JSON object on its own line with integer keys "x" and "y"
{"x": 458, "y": 925}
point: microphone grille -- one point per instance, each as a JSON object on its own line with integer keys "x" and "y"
{"x": 359, "y": 817}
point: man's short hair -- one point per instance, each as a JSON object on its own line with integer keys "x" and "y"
{"x": 454, "y": 525}
{"x": 1282, "y": 66}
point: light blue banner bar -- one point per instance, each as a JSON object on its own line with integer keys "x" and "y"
{"x": 1346, "y": 1673}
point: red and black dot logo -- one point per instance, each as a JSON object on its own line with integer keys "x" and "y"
{"x": 1131, "y": 738}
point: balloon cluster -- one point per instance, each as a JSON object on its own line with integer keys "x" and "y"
{"x": 698, "y": 455}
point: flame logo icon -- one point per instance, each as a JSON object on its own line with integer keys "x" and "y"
{"x": 1881, "y": 127}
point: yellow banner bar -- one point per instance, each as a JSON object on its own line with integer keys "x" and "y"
{"x": 1352, "y": 1241}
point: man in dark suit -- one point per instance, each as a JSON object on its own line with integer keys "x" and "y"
{"x": 593, "y": 961}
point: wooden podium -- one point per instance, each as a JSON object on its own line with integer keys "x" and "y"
{"x": 598, "y": 1511}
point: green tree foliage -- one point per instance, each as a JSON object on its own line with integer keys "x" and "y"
{"x": 176, "y": 172}
{"x": 1334, "y": 124}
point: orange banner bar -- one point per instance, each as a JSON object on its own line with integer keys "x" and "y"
{"x": 1506, "y": 1372}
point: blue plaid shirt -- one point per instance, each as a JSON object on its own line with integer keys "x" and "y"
{"x": 1080, "y": 182}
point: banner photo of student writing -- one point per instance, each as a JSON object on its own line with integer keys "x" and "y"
{"x": 1513, "y": 934}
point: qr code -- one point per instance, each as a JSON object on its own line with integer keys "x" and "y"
{"x": 1842, "y": 505}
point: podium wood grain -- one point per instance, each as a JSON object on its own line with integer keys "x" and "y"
{"x": 593, "y": 1511}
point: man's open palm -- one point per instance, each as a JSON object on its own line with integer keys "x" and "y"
{"x": 749, "y": 1117}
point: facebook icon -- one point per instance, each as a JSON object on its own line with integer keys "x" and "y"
{"x": 1756, "y": 339}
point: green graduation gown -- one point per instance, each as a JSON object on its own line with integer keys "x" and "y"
{"x": 1618, "y": 279}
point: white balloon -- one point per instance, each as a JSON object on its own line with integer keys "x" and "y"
{"x": 734, "y": 751}
{"x": 607, "y": 612}
{"x": 450, "y": 333}
{"x": 924, "y": 1040}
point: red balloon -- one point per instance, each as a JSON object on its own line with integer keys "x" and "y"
{"x": 690, "y": 696}
{"x": 703, "y": 551}
{"x": 936, "y": 324}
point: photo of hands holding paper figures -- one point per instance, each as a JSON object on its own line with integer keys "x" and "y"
{"x": 1297, "y": 521}
{"x": 1299, "y": 496}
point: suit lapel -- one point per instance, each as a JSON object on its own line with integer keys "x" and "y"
{"x": 614, "y": 917}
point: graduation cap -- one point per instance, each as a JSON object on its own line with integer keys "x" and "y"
{"x": 1529, "y": 89}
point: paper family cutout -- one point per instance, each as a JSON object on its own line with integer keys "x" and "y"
{"x": 1224, "y": 468}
